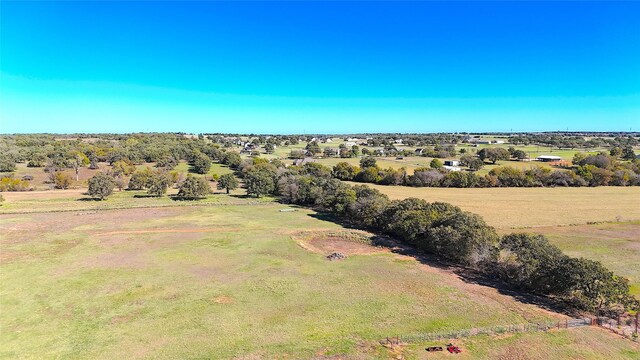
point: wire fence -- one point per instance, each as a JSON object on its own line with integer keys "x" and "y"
{"x": 625, "y": 326}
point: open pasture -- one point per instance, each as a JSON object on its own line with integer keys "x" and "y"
{"x": 533, "y": 207}
{"x": 221, "y": 281}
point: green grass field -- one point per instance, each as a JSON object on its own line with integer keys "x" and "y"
{"x": 235, "y": 277}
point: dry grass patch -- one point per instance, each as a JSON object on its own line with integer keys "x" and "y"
{"x": 533, "y": 207}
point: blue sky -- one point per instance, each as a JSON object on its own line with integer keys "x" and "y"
{"x": 331, "y": 67}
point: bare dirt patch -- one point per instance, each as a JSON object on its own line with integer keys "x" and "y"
{"x": 223, "y": 299}
{"x": 345, "y": 242}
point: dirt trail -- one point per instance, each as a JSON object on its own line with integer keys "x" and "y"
{"x": 161, "y": 231}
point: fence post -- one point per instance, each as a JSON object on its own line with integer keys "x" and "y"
{"x": 637, "y": 318}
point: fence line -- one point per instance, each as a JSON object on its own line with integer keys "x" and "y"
{"x": 627, "y": 327}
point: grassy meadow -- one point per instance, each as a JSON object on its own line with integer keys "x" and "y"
{"x": 233, "y": 277}
{"x": 220, "y": 281}
{"x": 533, "y": 207}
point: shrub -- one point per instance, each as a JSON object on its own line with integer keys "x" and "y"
{"x": 11, "y": 184}
{"x": 193, "y": 188}
{"x": 101, "y": 185}
{"x": 61, "y": 180}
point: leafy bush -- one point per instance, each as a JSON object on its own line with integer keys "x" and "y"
{"x": 101, "y": 185}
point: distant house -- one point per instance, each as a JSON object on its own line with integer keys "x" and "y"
{"x": 548, "y": 158}
{"x": 327, "y": 140}
{"x": 349, "y": 144}
{"x": 398, "y": 141}
{"x": 300, "y": 162}
{"x": 498, "y": 141}
{"x": 452, "y": 168}
{"x": 451, "y": 163}
{"x": 419, "y": 151}
{"x": 379, "y": 152}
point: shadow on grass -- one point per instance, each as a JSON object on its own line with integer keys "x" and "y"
{"x": 88, "y": 199}
{"x": 243, "y": 196}
{"x": 181, "y": 198}
{"x": 467, "y": 275}
{"x": 144, "y": 196}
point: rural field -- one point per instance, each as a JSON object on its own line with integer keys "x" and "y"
{"x": 533, "y": 207}
{"x": 229, "y": 279}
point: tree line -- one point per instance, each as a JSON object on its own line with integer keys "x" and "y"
{"x": 589, "y": 170}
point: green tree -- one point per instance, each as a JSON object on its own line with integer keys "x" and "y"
{"x": 158, "y": 183}
{"x": 436, "y": 164}
{"x": 101, "y": 185}
{"x": 269, "y": 148}
{"x": 472, "y": 162}
{"x": 227, "y": 182}
{"x": 193, "y": 188}
{"x": 140, "y": 179}
{"x": 123, "y": 167}
{"x": 313, "y": 148}
{"x": 259, "y": 182}
{"x": 493, "y": 154}
{"x": 615, "y": 151}
{"x": 368, "y": 162}
{"x": 232, "y": 159}
{"x": 202, "y": 164}
{"x": 628, "y": 153}
{"x": 7, "y": 164}
{"x": 519, "y": 154}
{"x": 344, "y": 171}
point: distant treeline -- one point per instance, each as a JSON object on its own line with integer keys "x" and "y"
{"x": 589, "y": 170}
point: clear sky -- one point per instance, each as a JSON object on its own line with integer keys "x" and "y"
{"x": 318, "y": 67}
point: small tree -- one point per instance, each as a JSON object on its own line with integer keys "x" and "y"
{"x": 123, "y": 167}
{"x": 7, "y": 164}
{"x": 269, "y": 148}
{"x": 157, "y": 184}
{"x": 368, "y": 161}
{"x": 227, "y": 182}
{"x": 78, "y": 160}
{"x": 436, "y": 164}
{"x": 259, "y": 182}
{"x": 628, "y": 153}
{"x": 101, "y": 185}
{"x": 232, "y": 159}
{"x": 193, "y": 188}
{"x": 202, "y": 164}
{"x": 61, "y": 180}
{"x": 494, "y": 154}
